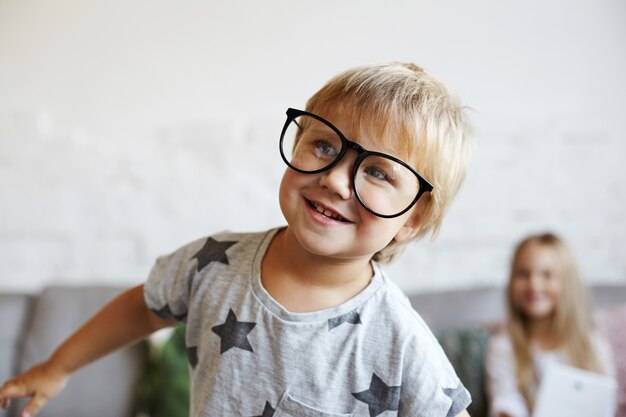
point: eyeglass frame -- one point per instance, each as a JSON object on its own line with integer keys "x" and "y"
{"x": 424, "y": 185}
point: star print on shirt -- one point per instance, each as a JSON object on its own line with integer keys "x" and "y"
{"x": 380, "y": 397}
{"x": 234, "y": 333}
{"x": 213, "y": 251}
{"x": 351, "y": 317}
{"x": 268, "y": 411}
{"x": 459, "y": 396}
{"x": 192, "y": 356}
{"x": 166, "y": 313}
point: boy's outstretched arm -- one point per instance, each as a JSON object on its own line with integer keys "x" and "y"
{"x": 464, "y": 413}
{"x": 124, "y": 320}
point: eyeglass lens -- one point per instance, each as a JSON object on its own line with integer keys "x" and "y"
{"x": 384, "y": 186}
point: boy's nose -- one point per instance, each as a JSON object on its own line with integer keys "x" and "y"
{"x": 338, "y": 179}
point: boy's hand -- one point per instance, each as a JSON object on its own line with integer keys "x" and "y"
{"x": 42, "y": 382}
{"x": 124, "y": 320}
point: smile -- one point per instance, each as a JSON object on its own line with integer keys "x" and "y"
{"x": 326, "y": 212}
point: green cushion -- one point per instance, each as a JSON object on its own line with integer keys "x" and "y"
{"x": 466, "y": 351}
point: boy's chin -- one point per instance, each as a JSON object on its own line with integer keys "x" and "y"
{"x": 332, "y": 249}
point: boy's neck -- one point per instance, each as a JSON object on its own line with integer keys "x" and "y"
{"x": 303, "y": 282}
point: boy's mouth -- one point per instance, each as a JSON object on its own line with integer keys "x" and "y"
{"x": 326, "y": 212}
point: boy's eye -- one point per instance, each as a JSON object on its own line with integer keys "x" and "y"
{"x": 324, "y": 148}
{"x": 377, "y": 173}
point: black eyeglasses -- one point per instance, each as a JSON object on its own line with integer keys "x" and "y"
{"x": 383, "y": 184}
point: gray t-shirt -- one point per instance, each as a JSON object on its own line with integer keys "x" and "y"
{"x": 372, "y": 355}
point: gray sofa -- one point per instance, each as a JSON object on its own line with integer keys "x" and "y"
{"x": 31, "y": 328}
{"x": 33, "y": 325}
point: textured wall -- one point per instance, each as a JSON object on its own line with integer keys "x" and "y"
{"x": 129, "y": 128}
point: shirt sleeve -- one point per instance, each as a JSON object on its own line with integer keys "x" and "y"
{"x": 502, "y": 391}
{"x": 430, "y": 386}
{"x": 168, "y": 287}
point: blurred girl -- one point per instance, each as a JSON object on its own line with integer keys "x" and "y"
{"x": 549, "y": 320}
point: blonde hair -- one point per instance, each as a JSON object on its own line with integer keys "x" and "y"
{"x": 406, "y": 108}
{"x": 572, "y": 322}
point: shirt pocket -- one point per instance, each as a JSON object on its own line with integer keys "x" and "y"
{"x": 290, "y": 407}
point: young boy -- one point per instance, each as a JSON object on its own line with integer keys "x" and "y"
{"x": 301, "y": 320}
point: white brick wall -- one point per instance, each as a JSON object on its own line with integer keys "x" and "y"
{"x": 128, "y": 129}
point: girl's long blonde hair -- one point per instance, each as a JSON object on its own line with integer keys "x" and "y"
{"x": 572, "y": 324}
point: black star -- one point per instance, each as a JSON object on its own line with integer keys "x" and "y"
{"x": 234, "y": 333}
{"x": 380, "y": 397}
{"x": 166, "y": 313}
{"x": 351, "y": 317}
{"x": 459, "y": 398}
{"x": 268, "y": 411}
{"x": 212, "y": 251}
{"x": 192, "y": 356}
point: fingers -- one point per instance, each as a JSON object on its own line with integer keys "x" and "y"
{"x": 32, "y": 408}
{"x": 41, "y": 382}
{"x": 16, "y": 389}
{"x": 5, "y": 403}
{"x": 5, "y": 394}
{"x": 13, "y": 389}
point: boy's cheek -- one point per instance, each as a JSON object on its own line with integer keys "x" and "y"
{"x": 413, "y": 224}
{"x": 407, "y": 233}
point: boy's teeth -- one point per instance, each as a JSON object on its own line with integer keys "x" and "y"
{"x": 326, "y": 212}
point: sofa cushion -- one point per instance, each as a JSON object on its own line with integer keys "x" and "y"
{"x": 460, "y": 309}
{"x": 58, "y": 312}
{"x": 14, "y": 311}
{"x": 608, "y": 295}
